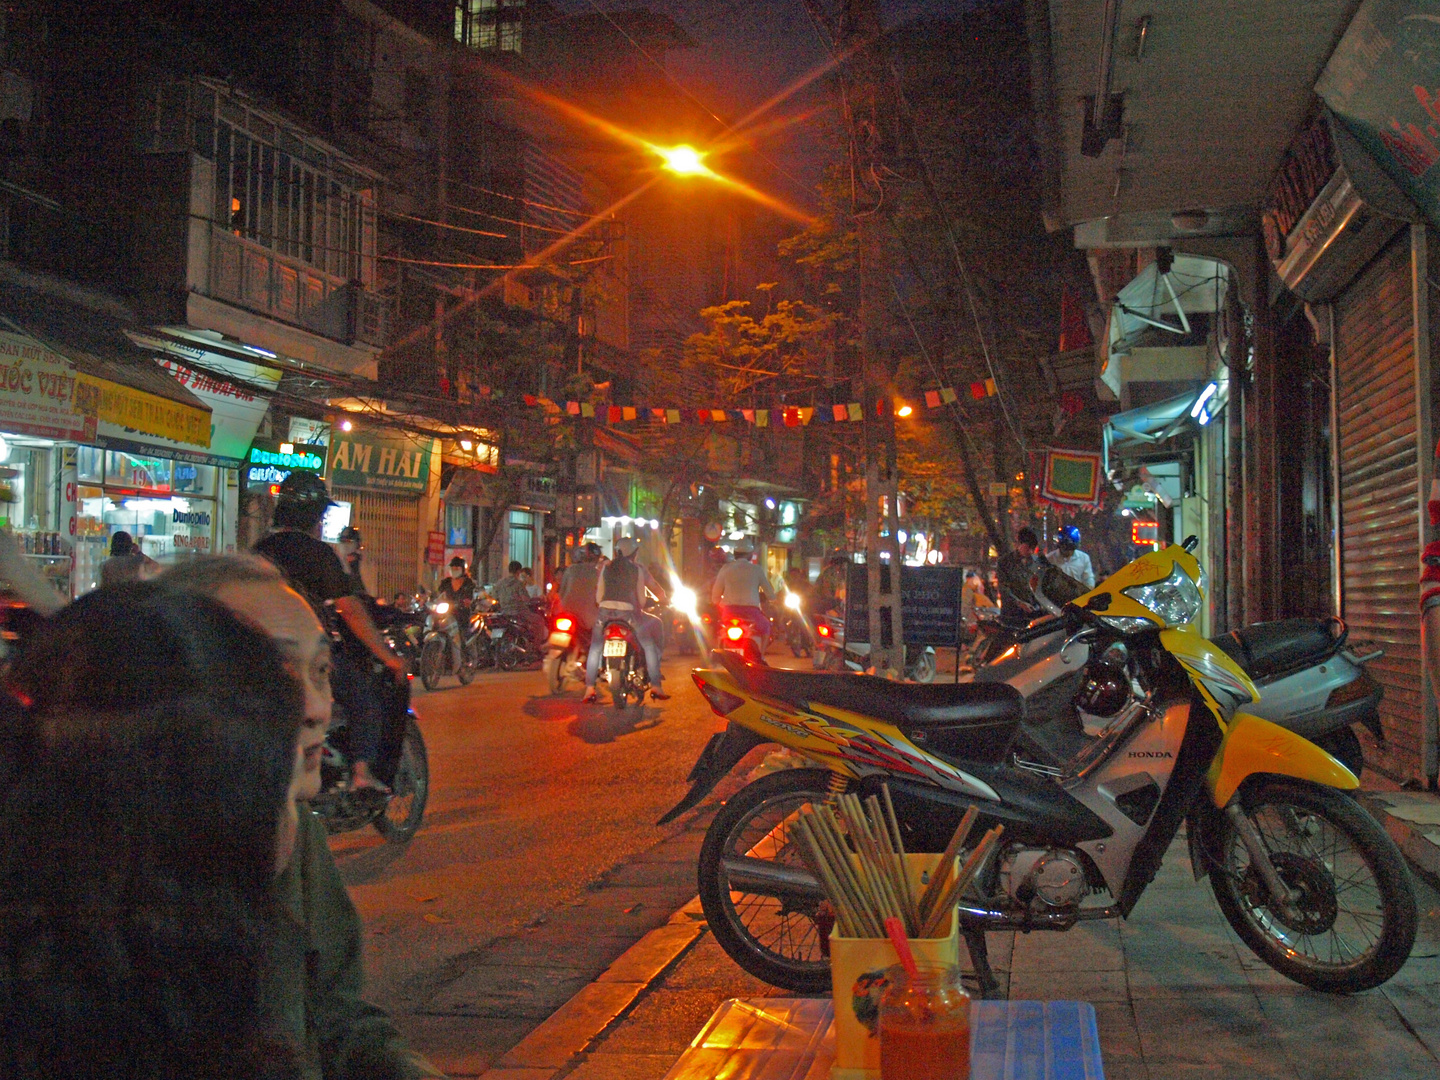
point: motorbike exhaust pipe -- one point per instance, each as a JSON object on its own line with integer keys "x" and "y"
{"x": 767, "y": 878}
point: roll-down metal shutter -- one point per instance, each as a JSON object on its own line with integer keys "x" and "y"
{"x": 1380, "y": 556}
{"x": 390, "y": 528}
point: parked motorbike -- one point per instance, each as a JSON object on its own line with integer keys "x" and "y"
{"x": 1310, "y": 680}
{"x": 625, "y": 666}
{"x": 566, "y": 652}
{"x": 511, "y": 643}
{"x": 402, "y": 625}
{"x": 1307, "y": 879}
{"x": 446, "y": 648}
{"x": 832, "y": 653}
{"x": 402, "y": 765}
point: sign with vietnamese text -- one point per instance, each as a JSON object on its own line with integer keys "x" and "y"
{"x": 1383, "y": 81}
{"x": 38, "y": 392}
{"x": 374, "y": 462}
{"x": 435, "y": 549}
{"x": 929, "y": 604}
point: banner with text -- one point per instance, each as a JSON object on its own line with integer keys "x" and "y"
{"x": 371, "y": 461}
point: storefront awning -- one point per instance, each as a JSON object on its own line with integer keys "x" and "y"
{"x": 115, "y": 382}
{"x": 1151, "y": 336}
{"x": 1147, "y": 426}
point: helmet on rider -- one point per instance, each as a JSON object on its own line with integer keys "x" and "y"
{"x": 301, "y": 501}
{"x": 591, "y": 551}
{"x": 627, "y": 546}
{"x": 1069, "y": 538}
{"x": 717, "y": 557}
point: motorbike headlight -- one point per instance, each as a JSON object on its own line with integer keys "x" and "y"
{"x": 1176, "y": 600}
{"x": 1126, "y": 624}
{"x": 683, "y": 600}
{"x": 441, "y": 608}
{"x": 792, "y": 601}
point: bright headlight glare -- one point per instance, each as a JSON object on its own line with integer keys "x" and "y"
{"x": 1176, "y": 600}
{"x": 792, "y": 601}
{"x": 683, "y": 601}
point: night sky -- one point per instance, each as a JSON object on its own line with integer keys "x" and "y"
{"x": 747, "y": 50}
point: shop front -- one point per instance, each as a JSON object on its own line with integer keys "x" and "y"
{"x": 379, "y": 479}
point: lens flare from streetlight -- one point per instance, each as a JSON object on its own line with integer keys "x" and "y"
{"x": 904, "y": 410}
{"x": 684, "y": 160}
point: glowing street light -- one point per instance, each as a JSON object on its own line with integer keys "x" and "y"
{"x": 904, "y": 411}
{"x": 684, "y": 160}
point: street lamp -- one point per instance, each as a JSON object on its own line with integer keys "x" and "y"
{"x": 904, "y": 411}
{"x": 684, "y": 160}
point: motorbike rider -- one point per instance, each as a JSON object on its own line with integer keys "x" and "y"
{"x": 578, "y": 586}
{"x": 459, "y": 590}
{"x": 740, "y": 588}
{"x": 513, "y": 596}
{"x": 1070, "y": 560}
{"x": 829, "y": 591}
{"x": 1016, "y": 569}
{"x": 620, "y": 594}
{"x": 313, "y": 568}
{"x": 351, "y": 549}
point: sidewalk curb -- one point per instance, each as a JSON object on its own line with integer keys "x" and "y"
{"x": 1403, "y": 814}
{"x": 550, "y": 1048}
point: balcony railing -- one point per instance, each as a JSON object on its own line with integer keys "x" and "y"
{"x": 254, "y": 277}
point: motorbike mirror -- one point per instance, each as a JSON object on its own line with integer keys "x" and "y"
{"x": 1046, "y": 604}
{"x": 1191, "y": 543}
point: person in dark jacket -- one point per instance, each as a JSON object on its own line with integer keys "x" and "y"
{"x": 150, "y": 803}
{"x": 126, "y": 562}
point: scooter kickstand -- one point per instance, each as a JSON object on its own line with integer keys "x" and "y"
{"x": 980, "y": 960}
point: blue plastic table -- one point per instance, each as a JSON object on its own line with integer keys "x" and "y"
{"x": 791, "y": 1039}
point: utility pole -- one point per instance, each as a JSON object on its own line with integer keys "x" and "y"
{"x": 871, "y": 116}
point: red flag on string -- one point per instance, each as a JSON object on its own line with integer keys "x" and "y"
{"x": 1074, "y": 330}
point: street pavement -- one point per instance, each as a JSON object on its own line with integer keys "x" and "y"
{"x": 528, "y": 877}
{"x": 540, "y": 883}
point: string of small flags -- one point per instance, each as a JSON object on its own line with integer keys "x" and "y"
{"x": 778, "y": 416}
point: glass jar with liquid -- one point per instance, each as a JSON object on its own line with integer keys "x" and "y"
{"x": 925, "y": 1026}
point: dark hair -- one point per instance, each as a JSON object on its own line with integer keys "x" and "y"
{"x": 121, "y": 543}
{"x": 514, "y": 567}
{"x": 137, "y": 921}
{"x": 1026, "y": 535}
{"x": 458, "y": 561}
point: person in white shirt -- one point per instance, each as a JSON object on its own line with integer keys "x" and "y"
{"x": 620, "y": 594}
{"x": 1070, "y": 560}
{"x": 738, "y": 589}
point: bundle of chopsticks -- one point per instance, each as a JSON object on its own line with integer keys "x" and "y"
{"x": 869, "y": 884}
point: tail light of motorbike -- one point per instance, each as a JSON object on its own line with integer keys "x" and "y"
{"x": 1354, "y": 690}
{"x": 823, "y": 629}
{"x": 723, "y": 704}
{"x": 735, "y": 633}
{"x": 615, "y": 631}
{"x": 564, "y": 624}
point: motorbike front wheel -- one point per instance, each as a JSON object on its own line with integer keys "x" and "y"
{"x": 1352, "y": 921}
{"x": 432, "y": 663}
{"x": 409, "y": 791}
{"x": 771, "y": 929}
{"x": 466, "y": 673}
{"x": 922, "y": 668}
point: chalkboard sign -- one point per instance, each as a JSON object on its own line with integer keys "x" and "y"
{"x": 929, "y": 603}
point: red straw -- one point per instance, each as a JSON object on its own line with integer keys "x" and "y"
{"x": 896, "y": 930}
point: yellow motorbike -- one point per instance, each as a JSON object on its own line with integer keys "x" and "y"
{"x": 1309, "y": 881}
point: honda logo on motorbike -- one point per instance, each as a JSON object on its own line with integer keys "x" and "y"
{"x": 1150, "y": 754}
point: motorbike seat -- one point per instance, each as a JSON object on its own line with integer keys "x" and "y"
{"x": 909, "y": 706}
{"x": 1270, "y": 649}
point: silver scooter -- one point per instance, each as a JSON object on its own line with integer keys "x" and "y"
{"x": 1311, "y": 680}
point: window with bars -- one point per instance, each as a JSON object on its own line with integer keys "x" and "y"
{"x": 490, "y": 24}
{"x": 283, "y": 202}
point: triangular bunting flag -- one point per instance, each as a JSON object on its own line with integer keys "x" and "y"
{"x": 657, "y": 414}
{"x": 614, "y": 413}
{"x": 948, "y": 395}
{"x": 628, "y": 412}
{"x": 853, "y": 411}
{"x": 977, "y": 391}
{"x": 790, "y": 416}
{"x": 932, "y": 399}
{"x": 702, "y": 415}
{"x": 806, "y": 415}
{"x": 573, "y": 408}
{"x": 587, "y": 409}
{"x": 989, "y": 387}
{"x": 749, "y": 415}
{"x": 531, "y": 399}
{"x": 718, "y": 416}
{"x": 762, "y": 417}
{"x": 672, "y": 416}
{"x": 840, "y": 412}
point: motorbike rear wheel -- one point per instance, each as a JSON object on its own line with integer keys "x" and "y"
{"x": 775, "y": 938}
{"x": 466, "y": 672}
{"x": 432, "y": 663}
{"x": 620, "y": 683}
{"x": 1353, "y": 920}
{"x": 554, "y": 668}
{"x": 409, "y": 791}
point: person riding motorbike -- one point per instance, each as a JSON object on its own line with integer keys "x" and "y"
{"x": 578, "y": 586}
{"x": 828, "y": 593}
{"x": 1070, "y": 560}
{"x": 513, "y": 596}
{"x": 620, "y": 594}
{"x": 313, "y": 568}
{"x": 351, "y": 551}
{"x": 458, "y": 587}
{"x": 740, "y": 589}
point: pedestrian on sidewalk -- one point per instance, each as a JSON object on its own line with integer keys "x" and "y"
{"x": 126, "y": 562}
{"x": 149, "y": 809}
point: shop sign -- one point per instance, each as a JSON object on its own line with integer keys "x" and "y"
{"x": 270, "y": 461}
{"x": 929, "y": 603}
{"x": 374, "y": 462}
{"x": 435, "y": 549}
{"x": 123, "y": 408}
{"x": 1383, "y": 80}
{"x": 38, "y": 392}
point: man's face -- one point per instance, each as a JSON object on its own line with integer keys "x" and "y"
{"x": 278, "y": 611}
{"x": 457, "y": 572}
{"x": 348, "y": 547}
{"x": 1026, "y": 550}
{"x": 1066, "y": 549}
